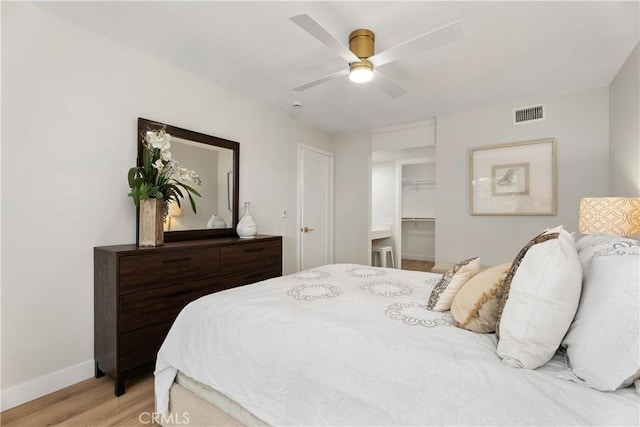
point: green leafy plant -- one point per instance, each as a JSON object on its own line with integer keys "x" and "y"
{"x": 160, "y": 176}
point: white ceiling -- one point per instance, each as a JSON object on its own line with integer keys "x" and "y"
{"x": 512, "y": 51}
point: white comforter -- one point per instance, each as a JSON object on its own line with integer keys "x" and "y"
{"x": 353, "y": 345}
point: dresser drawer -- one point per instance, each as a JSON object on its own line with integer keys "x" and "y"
{"x": 147, "y": 271}
{"x": 251, "y": 276}
{"x": 141, "y": 346}
{"x": 250, "y": 256}
{"x": 139, "y": 309}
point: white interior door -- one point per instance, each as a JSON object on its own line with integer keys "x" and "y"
{"x": 315, "y": 181}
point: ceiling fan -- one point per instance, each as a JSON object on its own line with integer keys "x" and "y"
{"x": 361, "y": 52}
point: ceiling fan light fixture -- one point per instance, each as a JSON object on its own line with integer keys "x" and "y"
{"x": 361, "y": 43}
{"x": 361, "y": 72}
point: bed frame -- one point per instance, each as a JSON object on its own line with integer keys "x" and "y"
{"x": 185, "y": 408}
{"x": 196, "y": 404}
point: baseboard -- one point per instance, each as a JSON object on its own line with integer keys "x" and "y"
{"x": 418, "y": 257}
{"x": 38, "y": 387}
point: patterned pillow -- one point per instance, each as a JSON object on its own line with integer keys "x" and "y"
{"x": 541, "y": 295}
{"x": 603, "y": 343}
{"x": 475, "y": 306}
{"x": 442, "y": 294}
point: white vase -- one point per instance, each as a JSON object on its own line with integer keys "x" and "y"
{"x": 216, "y": 221}
{"x": 247, "y": 227}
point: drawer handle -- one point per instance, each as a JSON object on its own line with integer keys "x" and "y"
{"x": 177, "y": 294}
{"x": 170, "y": 261}
{"x": 254, "y": 250}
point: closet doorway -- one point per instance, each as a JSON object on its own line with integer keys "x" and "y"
{"x": 403, "y": 206}
{"x": 415, "y": 210}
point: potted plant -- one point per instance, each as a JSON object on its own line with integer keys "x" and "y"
{"x": 159, "y": 181}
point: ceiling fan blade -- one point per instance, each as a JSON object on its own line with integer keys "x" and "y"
{"x": 387, "y": 85}
{"x": 438, "y": 37}
{"x": 322, "y": 80}
{"x": 308, "y": 24}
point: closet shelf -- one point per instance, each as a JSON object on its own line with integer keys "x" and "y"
{"x": 418, "y": 219}
{"x": 419, "y": 181}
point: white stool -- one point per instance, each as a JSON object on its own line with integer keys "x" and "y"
{"x": 382, "y": 252}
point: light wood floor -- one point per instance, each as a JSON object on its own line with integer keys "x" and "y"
{"x": 88, "y": 403}
{"x": 410, "y": 264}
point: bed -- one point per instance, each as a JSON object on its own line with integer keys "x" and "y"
{"x": 348, "y": 344}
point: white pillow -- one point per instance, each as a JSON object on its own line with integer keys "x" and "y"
{"x": 541, "y": 295}
{"x": 591, "y": 245}
{"x": 446, "y": 289}
{"x": 603, "y": 343}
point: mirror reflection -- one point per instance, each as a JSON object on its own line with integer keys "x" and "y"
{"x": 214, "y": 165}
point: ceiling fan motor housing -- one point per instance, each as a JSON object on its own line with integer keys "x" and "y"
{"x": 361, "y": 43}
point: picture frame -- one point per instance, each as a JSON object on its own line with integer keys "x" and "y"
{"x": 517, "y": 178}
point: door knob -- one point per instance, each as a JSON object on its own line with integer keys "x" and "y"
{"x": 306, "y": 229}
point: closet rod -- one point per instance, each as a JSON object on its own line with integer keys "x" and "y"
{"x": 418, "y": 219}
{"x": 418, "y": 181}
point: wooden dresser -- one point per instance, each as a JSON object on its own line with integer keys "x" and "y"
{"x": 138, "y": 292}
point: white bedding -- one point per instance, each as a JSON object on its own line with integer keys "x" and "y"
{"x": 354, "y": 345}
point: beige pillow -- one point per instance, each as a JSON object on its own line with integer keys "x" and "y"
{"x": 475, "y": 306}
{"x": 443, "y": 292}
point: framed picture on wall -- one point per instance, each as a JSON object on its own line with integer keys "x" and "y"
{"x": 513, "y": 179}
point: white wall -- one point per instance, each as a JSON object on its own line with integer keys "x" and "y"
{"x": 353, "y": 198}
{"x": 383, "y": 201}
{"x": 383, "y": 192}
{"x": 578, "y": 121}
{"x": 405, "y": 136}
{"x": 624, "y": 132}
{"x": 71, "y": 99}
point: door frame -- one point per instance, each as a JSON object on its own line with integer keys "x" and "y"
{"x": 330, "y": 208}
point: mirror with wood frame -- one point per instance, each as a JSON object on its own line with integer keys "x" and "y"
{"x": 217, "y": 163}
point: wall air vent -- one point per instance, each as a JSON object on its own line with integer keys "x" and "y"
{"x": 528, "y": 114}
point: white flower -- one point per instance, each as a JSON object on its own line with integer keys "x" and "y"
{"x": 158, "y": 139}
{"x": 172, "y": 166}
{"x": 158, "y": 164}
{"x": 184, "y": 174}
{"x": 188, "y": 175}
{"x": 153, "y": 139}
{"x": 166, "y": 155}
